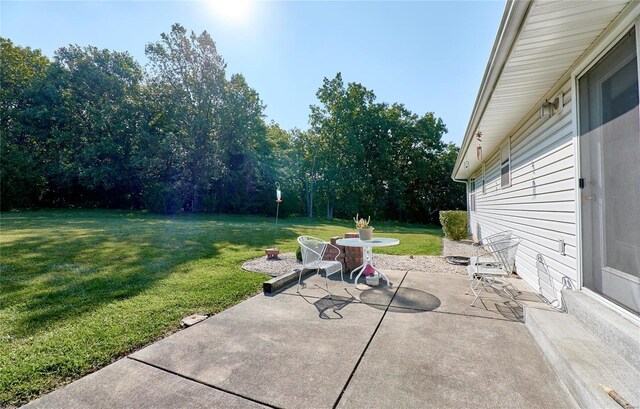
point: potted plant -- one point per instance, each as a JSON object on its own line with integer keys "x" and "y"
{"x": 365, "y": 232}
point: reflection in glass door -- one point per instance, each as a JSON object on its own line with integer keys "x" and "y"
{"x": 610, "y": 167}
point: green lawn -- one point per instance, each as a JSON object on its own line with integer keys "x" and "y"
{"x": 80, "y": 288}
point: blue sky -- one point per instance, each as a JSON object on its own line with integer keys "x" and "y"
{"x": 428, "y": 55}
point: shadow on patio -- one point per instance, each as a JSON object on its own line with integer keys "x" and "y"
{"x": 356, "y": 347}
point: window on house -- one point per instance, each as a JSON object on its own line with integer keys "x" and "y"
{"x": 472, "y": 195}
{"x": 505, "y": 165}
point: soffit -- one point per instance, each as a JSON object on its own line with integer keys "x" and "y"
{"x": 553, "y": 36}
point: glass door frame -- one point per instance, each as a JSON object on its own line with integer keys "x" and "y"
{"x": 627, "y": 20}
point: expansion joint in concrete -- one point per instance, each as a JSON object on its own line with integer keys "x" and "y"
{"x": 364, "y": 351}
{"x": 205, "y": 384}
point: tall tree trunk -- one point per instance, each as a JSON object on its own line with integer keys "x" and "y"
{"x": 195, "y": 200}
{"x": 309, "y": 197}
{"x": 329, "y": 209}
{"x": 309, "y": 185}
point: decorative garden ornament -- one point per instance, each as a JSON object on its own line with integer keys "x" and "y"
{"x": 273, "y": 252}
{"x": 479, "y": 147}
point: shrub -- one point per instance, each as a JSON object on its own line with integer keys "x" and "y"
{"x": 454, "y": 224}
{"x": 299, "y": 254}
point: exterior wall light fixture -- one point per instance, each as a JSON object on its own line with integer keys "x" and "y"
{"x": 548, "y": 108}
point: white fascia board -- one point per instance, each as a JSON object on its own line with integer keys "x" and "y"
{"x": 514, "y": 15}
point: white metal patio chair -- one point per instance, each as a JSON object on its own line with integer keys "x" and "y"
{"x": 488, "y": 241}
{"x": 482, "y": 246}
{"x": 313, "y": 250}
{"x": 493, "y": 269}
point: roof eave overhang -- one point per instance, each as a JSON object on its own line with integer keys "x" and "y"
{"x": 537, "y": 47}
{"x": 512, "y": 21}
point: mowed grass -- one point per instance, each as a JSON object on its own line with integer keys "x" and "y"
{"x": 80, "y": 288}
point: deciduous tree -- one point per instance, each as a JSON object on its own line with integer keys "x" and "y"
{"x": 188, "y": 75}
{"x": 21, "y": 177}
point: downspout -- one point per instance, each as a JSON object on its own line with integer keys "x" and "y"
{"x": 466, "y": 196}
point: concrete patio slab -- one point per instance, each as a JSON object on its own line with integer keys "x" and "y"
{"x": 453, "y": 361}
{"x": 417, "y": 344}
{"x": 277, "y": 350}
{"x": 130, "y": 384}
{"x": 315, "y": 285}
{"x": 450, "y": 290}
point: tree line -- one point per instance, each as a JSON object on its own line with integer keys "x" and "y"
{"x": 93, "y": 128}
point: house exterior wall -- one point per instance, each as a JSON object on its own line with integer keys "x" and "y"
{"x": 540, "y": 204}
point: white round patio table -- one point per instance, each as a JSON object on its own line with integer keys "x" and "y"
{"x": 367, "y": 250}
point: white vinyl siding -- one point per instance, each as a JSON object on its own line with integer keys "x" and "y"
{"x": 539, "y": 204}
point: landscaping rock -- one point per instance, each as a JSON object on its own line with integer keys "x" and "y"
{"x": 288, "y": 263}
{"x": 463, "y": 248}
{"x": 191, "y": 320}
{"x": 285, "y": 263}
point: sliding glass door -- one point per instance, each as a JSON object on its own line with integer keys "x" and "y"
{"x": 609, "y": 129}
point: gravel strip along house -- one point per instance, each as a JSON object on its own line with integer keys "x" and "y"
{"x": 552, "y": 153}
